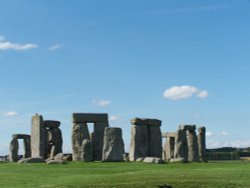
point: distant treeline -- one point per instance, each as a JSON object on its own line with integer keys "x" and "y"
{"x": 227, "y": 153}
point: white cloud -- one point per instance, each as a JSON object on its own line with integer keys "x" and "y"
{"x": 10, "y": 113}
{"x": 6, "y": 45}
{"x": 101, "y": 102}
{"x": 233, "y": 143}
{"x": 55, "y": 47}
{"x": 224, "y": 133}
{"x": 183, "y": 92}
{"x": 208, "y": 133}
{"x": 114, "y": 118}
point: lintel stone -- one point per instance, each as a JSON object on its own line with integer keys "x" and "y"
{"x": 52, "y": 124}
{"x": 144, "y": 121}
{"x": 187, "y": 127}
{"x": 89, "y": 117}
{"x": 21, "y": 136}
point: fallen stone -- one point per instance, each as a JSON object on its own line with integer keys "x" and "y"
{"x": 154, "y": 160}
{"x": 140, "y": 159}
{"x": 32, "y": 160}
{"x": 177, "y": 160}
{"x": 59, "y": 157}
{"x": 52, "y": 162}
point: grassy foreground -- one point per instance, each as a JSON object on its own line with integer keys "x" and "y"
{"x": 121, "y": 175}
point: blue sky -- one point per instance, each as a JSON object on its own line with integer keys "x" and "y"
{"x": 183, "y": 62}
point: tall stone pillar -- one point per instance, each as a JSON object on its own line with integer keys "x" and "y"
{"x": 99, "y": 128}
{"x": 192, "y": 146}
{"x": 27, "y": 149}
{"x": 181, "y": 150}
{"x": 139, "y": 143}
{"x": 79, "y": 133}
{"x": 14, "y": 150}
{"x": 202, "y": 144}
{"x": 155, "y": 141}
{"x": 38, "y": 140}
{"x": 113, "y": 146}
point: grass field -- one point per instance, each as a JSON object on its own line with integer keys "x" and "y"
{"x": 121, "y": 175}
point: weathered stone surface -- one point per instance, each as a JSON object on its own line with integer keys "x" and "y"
{"x": 154, "y": 160}
{"x": 59, "y": 157}
{"x": 52, "y": 124}
{"x": 139, "y": 143}
{"x": 169, "y": 148}
{"x": 140, "y": 159}
{"x": 125, "y": 157}
{"x": 87, "y": 151}
{"x": 155, "y": 142}
{"x": 187, "y": 127}
{"x": 181, "y": 148}
{"x": 79, "y": 133}
{"x": 14, "y": 150}
{"x": 144, "y": 121}
{"x": 38, "y": 141}
{"x": 192, "y": 146}
{"x": 67, "y": 157}
{"x": 32, "y": 160}
{"x": 202, "y": 144}
{"x": 89, "y": 118}
{"x": 53, "y": 162}
{"x": 26, "y": 145}
{"x": 97, "y": 139}
{"x": 113, "y": 147}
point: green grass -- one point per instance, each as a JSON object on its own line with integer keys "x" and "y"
{"x": 121, "y": 175}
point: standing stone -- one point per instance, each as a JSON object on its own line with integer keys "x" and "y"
{"x": 181, "y": 148}
{"x": 202, "y": 144}
{"x": 113, "y": 147}
{"x": 155, "y": 142}
{"x": 87, "y": 151}
{"x": 139, "y": 143}
{"x": 27, "y": 149}
{"x": 38, "y": 137}
{"x": 192, "y": 146}
{"x": 99, "y": 128}
{"x": 79, "y": 133}
{"x": 58, "y": 140}
{"x": 14, "y": 150}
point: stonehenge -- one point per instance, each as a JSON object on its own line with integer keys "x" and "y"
{"x": 45, "y": 140}
{"x": 184, "y": 145}
{"x": 146, "y": 140}
{"x": 106, "y": 143}
{"x": 80, "y": 132}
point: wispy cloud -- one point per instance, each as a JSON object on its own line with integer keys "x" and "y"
{"x": 7, "y": 45}
{"x": 55, "y": 47}
{"x": 114, "y": 118}
{"x": 10, "y": 113}
{"x": 101, "y": 103}
{"x": 210, "y": 134}
{"x": 228, "y": 143}
{"x": 183, "y": 92}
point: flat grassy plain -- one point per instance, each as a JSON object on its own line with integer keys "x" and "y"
{"x": 122, "y": 175}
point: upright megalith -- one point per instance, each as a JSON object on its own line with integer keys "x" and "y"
{"x": 38, "y": 137}
{"x": 192, "y": 145}
{"x": 169, "y": 145}
{"x": 202, "y": 144}
{"x": 14, "y": 150}
{"x": 87, "y": 151}
{"x": 146, "y": 140}
{"x": 181, "y": 150}
{"x": 113, "y": 146}
{"x": 80, "y": 132}
{"x": 54, "y": 137}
